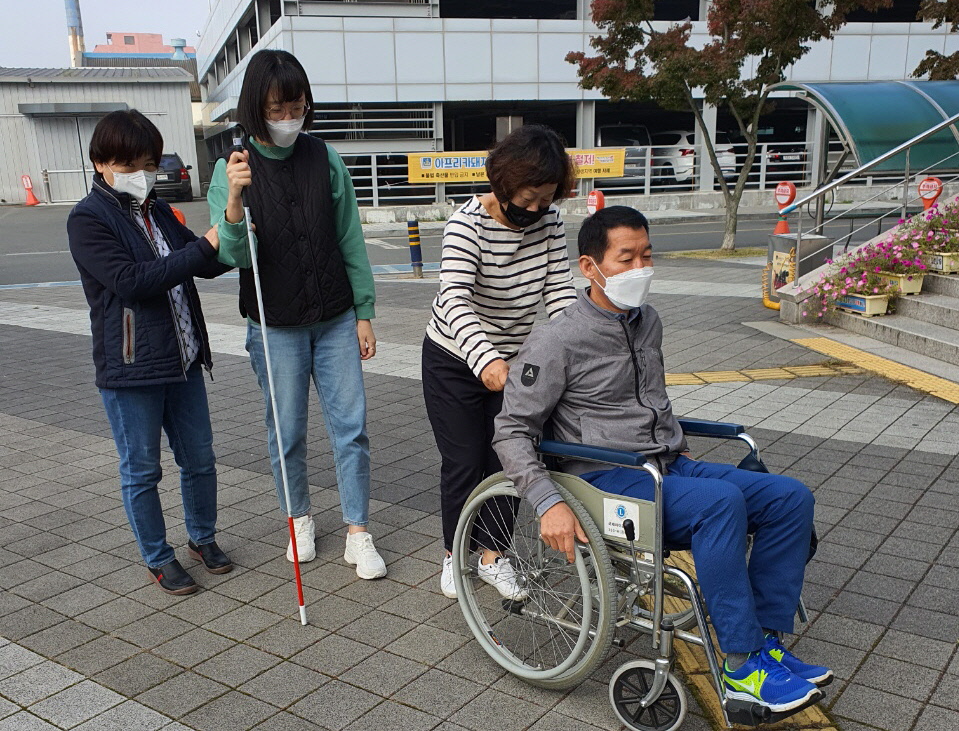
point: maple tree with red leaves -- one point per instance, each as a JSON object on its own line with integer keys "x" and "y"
{"x": 749, "y": 46}
{"x": 939, "y": 66}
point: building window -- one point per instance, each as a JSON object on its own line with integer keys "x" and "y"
{"x": 335, "y": 122}
{"x": 538, "y": 9}
{"x": 129, "y": 40}
{"x": 676, "y": 10}
{"x": 901, "y": 11}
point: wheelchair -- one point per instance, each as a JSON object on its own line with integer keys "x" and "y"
{"x": 559, "y": 631}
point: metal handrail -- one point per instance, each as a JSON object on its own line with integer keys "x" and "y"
{"x": 871, "y": 164}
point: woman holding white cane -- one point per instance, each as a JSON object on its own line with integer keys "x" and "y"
{"x": 317, "y": 286}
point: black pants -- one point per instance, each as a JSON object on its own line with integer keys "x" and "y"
{"x": 461, "y": 411}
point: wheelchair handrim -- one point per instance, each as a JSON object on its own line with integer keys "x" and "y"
{"x": 485, "y": 634}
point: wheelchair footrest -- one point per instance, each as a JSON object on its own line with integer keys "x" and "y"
{"x": 754, "y": 714}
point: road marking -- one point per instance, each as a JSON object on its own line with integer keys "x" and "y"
{"x": 940, "y": 387}
{"x": 384, "y": 244}
{"x": 36, "y": 253}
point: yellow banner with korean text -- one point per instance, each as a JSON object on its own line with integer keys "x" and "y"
{"x": 464, "y": 167}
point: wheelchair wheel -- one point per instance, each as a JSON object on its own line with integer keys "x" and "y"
{"x": 630, "y": 684}
{"x": 558, "y": 634}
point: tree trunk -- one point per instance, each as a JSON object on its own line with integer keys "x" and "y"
{"x": 732, "y": 219}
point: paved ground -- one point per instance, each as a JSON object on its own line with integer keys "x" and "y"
{"x": 87, "y": 643}
{"x": 33, "y": 241}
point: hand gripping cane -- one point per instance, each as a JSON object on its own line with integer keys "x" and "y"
{"x": 238, "y": 147}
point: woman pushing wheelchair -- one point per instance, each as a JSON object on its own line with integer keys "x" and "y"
{"x": 596, "y": 373}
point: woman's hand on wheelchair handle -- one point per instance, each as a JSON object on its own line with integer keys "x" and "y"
{"x": 560, "y": 530}
{"x": 494, "y": 374}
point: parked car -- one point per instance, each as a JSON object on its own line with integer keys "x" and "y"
{"x": 635, "y": 138}
{"x": 784, "y": 146}
{"x": 674, "y": 156}
{"x": 173, "y": 178}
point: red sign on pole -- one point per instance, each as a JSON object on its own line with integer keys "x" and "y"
{"x": 929, "y": 190}
{"x": 785, "y": 193}
{"x": 596, "y": 201}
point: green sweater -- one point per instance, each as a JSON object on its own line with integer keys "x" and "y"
{"x": 235, "y": 250}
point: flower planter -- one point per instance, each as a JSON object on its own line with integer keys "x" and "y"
{"x": 866, "y": 305}
{"x": 942, "y": 263}
{"x": 905, "y": 283}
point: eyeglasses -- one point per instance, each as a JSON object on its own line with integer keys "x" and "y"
{"x": 276, "y": 112}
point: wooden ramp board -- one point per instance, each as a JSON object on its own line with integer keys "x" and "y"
{"x": 691, "y": 662}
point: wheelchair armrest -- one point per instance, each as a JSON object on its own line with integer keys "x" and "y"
{"x": 703, "y": 428}
{"x": 590, "y": 453}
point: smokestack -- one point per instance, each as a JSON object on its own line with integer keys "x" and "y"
{"x": 75, "y": 33}
{"x": 178, "y": 45}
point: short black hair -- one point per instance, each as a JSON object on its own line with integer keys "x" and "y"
{"x": 529, "y": 157}
{"x": 124, "y": 137}
{"x": 277, "y": 71}
{"x": 593, "y": 238}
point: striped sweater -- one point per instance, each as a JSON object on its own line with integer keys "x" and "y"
{"x": 492, "y": 280}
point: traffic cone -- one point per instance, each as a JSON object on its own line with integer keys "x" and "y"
{"x": 782, "y": 227}
{"x": 179, "y": 215}
{"x": 31, "y": 198}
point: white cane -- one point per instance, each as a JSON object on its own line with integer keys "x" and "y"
{"x": 238, "y": 146}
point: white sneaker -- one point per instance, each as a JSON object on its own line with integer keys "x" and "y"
{"x": 446, "y": 579}
{"x": 501, "y": 576}
{"x": 361, "y": 551}
{"x": 305, "y": 530}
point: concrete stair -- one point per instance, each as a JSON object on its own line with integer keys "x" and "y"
{"x": 925, "y": 323}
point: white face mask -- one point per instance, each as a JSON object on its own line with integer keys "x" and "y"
{"x": 628, "y": 289}
{"x": 284, "y": 132}
{"x": 138, "y": 184}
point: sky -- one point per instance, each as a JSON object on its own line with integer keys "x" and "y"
{"x": 34, "y": 32}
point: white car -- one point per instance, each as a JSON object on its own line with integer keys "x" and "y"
{"x": 674, "y": 156}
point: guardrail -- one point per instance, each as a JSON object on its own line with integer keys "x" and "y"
{"x": 380, "y": 179}
{"x": 946, "y": 169}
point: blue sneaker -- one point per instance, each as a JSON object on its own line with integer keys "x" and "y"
{"x": 818, "y": 675}
{"x": 763, "y": 679}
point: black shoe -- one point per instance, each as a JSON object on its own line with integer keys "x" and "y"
{"x": 214, "y": 560}
{"x": 173, "y": 579}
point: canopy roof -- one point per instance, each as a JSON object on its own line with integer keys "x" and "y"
{"x": 873, "y": 117}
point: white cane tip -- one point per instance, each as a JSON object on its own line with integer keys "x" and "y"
{"x": 303, "y": 616}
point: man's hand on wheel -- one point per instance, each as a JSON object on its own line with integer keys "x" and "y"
{"x": 560, "y": 530}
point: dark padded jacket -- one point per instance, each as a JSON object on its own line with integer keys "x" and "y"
{"x": 127, "y": 285}
{"x": 301, "y": 266}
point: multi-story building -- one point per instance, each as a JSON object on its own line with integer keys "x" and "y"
{"x": 399, "y": 76}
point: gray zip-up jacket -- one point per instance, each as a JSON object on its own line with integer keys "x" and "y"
{"x": 598, "y": 380}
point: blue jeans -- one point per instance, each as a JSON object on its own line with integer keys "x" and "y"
{"x": 136, "y": 415}
{"x": 329, "y": 354}
{"x": 711, "y": 508}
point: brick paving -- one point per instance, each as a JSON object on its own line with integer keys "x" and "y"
{"x": 87, "y": 643}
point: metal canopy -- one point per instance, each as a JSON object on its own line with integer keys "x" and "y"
{"x": 873, "y": 117}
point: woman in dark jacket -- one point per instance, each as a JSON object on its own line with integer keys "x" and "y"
{"x": 137, "y": 264}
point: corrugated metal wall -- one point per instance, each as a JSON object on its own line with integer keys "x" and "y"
{"x": 30, "y": 144}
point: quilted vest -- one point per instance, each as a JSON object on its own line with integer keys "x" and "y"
{"x": 301, "y": 266}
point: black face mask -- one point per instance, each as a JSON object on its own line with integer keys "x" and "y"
{"x": 521, "y": 216}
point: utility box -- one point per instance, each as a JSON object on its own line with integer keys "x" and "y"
{"x": 814, "y": 251}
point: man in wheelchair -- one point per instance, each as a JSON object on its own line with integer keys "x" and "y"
{"x": 596, "y": 373}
